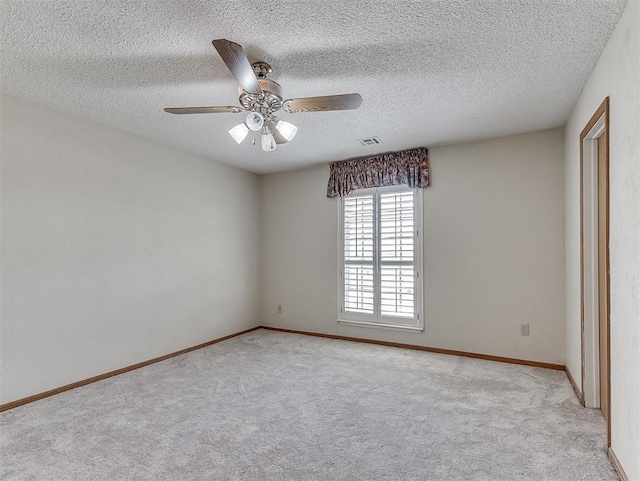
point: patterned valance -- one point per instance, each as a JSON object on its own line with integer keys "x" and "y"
{"x": 409, "y": 167}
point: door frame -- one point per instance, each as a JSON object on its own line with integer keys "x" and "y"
{"x": 598, "y": 126}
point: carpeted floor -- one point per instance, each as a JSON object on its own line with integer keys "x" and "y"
{"x": 275, "y": 406}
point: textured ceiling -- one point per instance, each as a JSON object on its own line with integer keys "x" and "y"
{"x": 430, "y": 72}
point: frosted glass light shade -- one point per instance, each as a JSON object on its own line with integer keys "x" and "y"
{"x": 254, "y": 121}
{"x": 239, "y": 132}
{"x": 287, "y": 130}
{"x": 268, "y": 142}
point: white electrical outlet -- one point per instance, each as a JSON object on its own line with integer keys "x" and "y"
{"x": 524, "y": 329}
{"x": 280, "y": 309}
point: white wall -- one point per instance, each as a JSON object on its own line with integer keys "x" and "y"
{"x": 494, "y": 254}
{"x": 616, "y": 75}
{"x": 115, "y": 249}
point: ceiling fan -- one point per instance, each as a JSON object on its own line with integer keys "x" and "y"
{"x": 261, "y": 98}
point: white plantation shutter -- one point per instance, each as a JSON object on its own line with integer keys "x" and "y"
{"x": 397, "y": 283}
{"x": 379, "y": 278}
{"x": 358, "y": 269}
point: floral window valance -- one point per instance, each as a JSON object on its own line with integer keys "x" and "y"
{"x": 409, "y": 167}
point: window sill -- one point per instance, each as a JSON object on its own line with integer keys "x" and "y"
{"x": 376, "y": 325}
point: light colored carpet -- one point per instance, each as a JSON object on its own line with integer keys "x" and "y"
{"x": 275, "y": 406}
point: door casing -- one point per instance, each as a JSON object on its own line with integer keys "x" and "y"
{"x": 594, "y": 263}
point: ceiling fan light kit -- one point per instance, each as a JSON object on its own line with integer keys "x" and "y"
{"x": 268, "y": 142}
{"x": 255, "y": 121}
{"x": 239, "y": 132}
{"x": 287, "y": 130}
{"x": 262, "y": 97}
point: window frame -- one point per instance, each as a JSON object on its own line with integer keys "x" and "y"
{"x": 377, "y": 320}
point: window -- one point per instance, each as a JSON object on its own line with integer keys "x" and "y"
{"x": 380, "y": 258}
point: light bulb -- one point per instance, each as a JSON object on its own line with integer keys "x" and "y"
{"x": 287, "y": 130}
{"x": 268, "y": 142}
{"x": 239, "y": 132}
{"x": 255, "y": 121}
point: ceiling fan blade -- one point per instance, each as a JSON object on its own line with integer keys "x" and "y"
{"x": 238, "y": 63}
{"x": 320, "y": 104}
{"x": 279, "y": 138}
{"x": 222, "y": 109}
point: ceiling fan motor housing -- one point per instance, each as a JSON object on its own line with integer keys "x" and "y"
{"x": 270, "y": 99}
